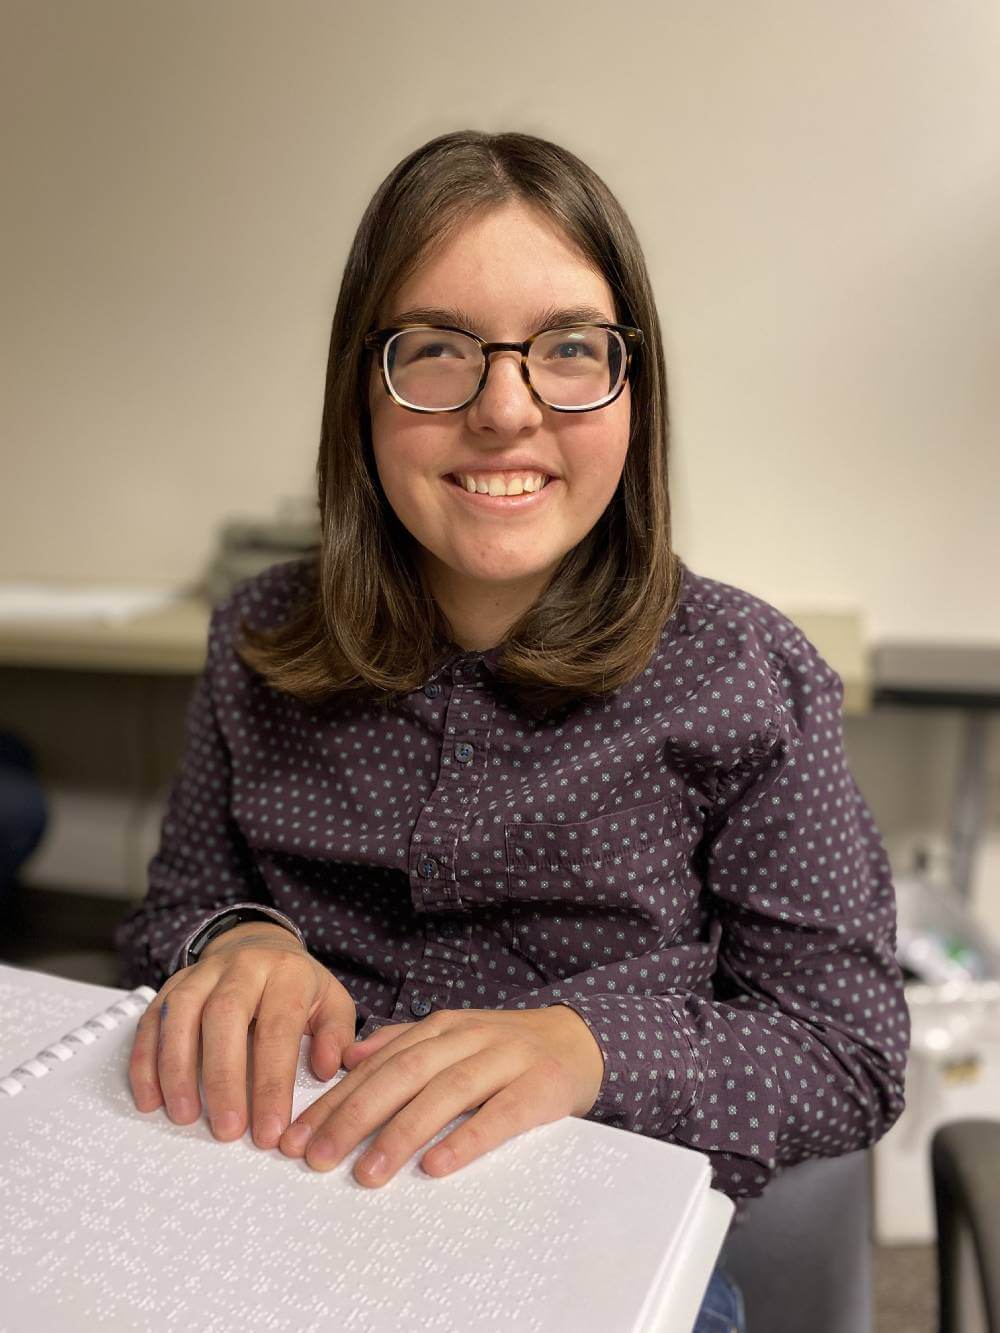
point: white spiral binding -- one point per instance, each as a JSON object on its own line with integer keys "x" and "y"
{"x": 66, "y": 1047}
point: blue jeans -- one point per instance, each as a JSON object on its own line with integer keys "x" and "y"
{"x": 722, "y": 1309}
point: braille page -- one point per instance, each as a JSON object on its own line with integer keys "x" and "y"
{"x": 36, "y": 1008}
{"x": 116, "y": 1219}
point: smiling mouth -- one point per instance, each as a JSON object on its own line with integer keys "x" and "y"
{"x": 515, "y": 487}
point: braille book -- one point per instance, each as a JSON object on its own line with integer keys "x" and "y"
{"x": 116, "y": 1219}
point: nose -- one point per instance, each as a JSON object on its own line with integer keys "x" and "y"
{"x": 506, "y": 405}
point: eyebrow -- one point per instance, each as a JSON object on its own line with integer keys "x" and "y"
{"x": 551, "y": 317}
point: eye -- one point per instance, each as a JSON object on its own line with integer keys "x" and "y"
{"x": 419, "y": 345}
{"x": 430, "y": 350}
{"x": 571, "y": 350}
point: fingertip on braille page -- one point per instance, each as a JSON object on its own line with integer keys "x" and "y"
{"x": 440, "y": 1160}
{"x": 183, "y": 1110}
{"x": 372, "y": 1163}
{"x": 267, "y": 1130}
{"x": 225, "y": 1124}
{"x": 296, "y": 1137}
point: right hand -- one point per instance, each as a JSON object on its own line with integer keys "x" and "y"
{"x": 254, "y": 970}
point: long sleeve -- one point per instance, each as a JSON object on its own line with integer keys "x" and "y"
{"x": 202, "y": 865}
{"x": 800, "y": 1049}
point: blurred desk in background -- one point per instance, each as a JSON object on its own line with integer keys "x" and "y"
{"x": 168, "y": 641}
{"x": 101, "y": 703}
{"x": 171, "y": 641}
{"x": 102, "y": 706}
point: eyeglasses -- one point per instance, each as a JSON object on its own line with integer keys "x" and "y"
{"x": 434, "y": 368}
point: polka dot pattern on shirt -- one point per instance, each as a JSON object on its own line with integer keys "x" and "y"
{"x": 687, "y": 864}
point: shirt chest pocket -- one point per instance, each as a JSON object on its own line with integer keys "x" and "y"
{"x": 597, "y": 858}
{"x": 591, "y": 892}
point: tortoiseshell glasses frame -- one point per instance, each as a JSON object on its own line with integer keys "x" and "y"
{"x": 381, "y": 340}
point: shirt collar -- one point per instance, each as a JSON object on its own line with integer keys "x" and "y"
{"x": 467, "y": 659}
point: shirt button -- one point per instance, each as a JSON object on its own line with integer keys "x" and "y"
{"x": 419, "y": 1007}
{"x": 449, "y": 930}
{"x": 464, "y": 753}
{"x": 427, "y": 868}
{"x": 432, "y": 691}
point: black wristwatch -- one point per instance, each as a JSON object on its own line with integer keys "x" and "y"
{"x": 235, "y": 917}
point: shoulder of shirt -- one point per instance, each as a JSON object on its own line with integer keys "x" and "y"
{"x": 766, "y": 633}
{"x": 264, "y": 601}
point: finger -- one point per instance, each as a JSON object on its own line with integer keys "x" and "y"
{"x": 178, "y": 1048}
{"x": 331, "y": 1025}
{"x": 357, "y": 1051}
{"x": 281, "y": 1021}
{"x": 142, "y": 1076}
{"x": 146, "y": 1045}
{"x": 420, "y": 1089}
{"x": 225, "y": 1021}
{"x": 477, "y": 1082}
{"x": 298, "y": 1134}
{"x": 528, "y": 1101}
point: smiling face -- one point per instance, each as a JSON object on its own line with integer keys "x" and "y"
{"x": 487, "y": 560}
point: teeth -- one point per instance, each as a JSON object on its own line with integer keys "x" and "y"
{"x": 531, "y": 482}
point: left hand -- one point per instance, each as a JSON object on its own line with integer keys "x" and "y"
{"x": 523, "y": 1067}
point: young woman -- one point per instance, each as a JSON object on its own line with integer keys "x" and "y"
{"x": 494, "y": 797}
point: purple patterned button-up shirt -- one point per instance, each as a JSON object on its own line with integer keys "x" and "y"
{"x": 689, "y": 865}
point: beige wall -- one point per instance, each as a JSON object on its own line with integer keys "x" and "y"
{"x": 816, "y": 187}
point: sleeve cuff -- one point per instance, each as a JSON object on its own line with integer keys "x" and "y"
{"x": 652, "y": 1075}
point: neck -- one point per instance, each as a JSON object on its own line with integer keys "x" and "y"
{"x": 481, "y": 614}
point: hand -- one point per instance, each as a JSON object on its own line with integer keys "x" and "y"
{"x": 260, "y": 970}
{"x": 524, "y": 1068}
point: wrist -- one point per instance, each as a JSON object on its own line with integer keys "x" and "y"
{"x": 264, "y": 930}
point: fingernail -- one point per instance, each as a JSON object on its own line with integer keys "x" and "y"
{"x": 267, "y": 1131}
{"x": 324, "y": 1153}
{"x": 183, "y": 1109}
{"x": 226, "y": 1122}
{"x": 443, "y": 1159}
{"x": 372, "y": 1163}
{"x": 297, "y": 1136}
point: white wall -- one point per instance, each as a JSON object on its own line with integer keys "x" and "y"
{"x": 817, "y": 187}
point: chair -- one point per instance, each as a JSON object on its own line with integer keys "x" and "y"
{"x": 802, "y": 1253}
{"x": 965, "y": 1165}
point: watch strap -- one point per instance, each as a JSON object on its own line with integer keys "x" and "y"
{"x": 226, "y": 920}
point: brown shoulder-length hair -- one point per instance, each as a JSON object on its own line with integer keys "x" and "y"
{"x": 367, "y": 625}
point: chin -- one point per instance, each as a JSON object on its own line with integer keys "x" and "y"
{"x": 506, "y": 573}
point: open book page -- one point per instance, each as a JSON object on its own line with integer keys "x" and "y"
{"x": 124, "y": 1220}
{"x": 37, "y": 1008}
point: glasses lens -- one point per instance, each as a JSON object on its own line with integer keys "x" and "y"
{"x": 577, "y": 367}
{"x": 433, "y": 367}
